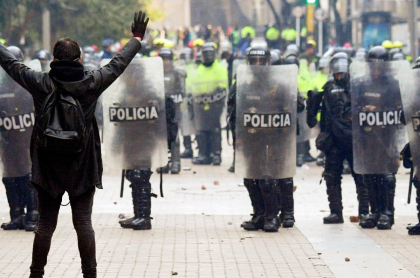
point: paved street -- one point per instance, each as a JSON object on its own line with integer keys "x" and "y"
{"x": 196, "y": 233}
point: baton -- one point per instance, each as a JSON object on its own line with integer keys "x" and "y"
{"x": 410, "y": 186}
{"x": 122, "y": 183}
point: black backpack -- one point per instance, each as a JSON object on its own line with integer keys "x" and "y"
{"x": 61, "y": 125}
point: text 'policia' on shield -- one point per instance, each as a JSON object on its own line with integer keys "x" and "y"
{"x": 278, "y": 120}
{"x": 126, "y": 114}
{"x": 18, "y": 122}
{"x": 382, "y": 118}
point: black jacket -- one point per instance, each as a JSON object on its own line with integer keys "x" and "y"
{"x": 76, "y": 173}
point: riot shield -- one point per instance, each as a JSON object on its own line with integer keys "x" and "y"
{"x": 209, "y": 99}
{"x": 410, "y": 94}
{"x": 175, "y": 88}
{"x": 187, "y": 123}
{"x": 135, "y": 133}
{"x": 378, "y": 135}
{"x": 17, "y": 118}
{"x": 266, "y": 120}
{"x": 235, "y": 65}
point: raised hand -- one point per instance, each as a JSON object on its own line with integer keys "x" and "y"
{"x": 139, "y": 25}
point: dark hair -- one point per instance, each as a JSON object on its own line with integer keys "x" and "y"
{"x": 66, "y": 49}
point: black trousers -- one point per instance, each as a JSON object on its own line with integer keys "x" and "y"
{"x": 49, "y": 208}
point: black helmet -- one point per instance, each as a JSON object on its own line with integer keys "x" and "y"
{"x": 275, "y": 58}
{"x": 166, "y": 53}
{"x": 398, "y": 57}
{"x": 186, "y": 54}
{"x": 258, "y": 56}
{"x": 340, "y": 63}
{"x": 16, "y": 52}
{"x": 209, "y": 53}
{"x": 42, "y": 55}
{"x": 378, "y": 54}
{"x": 291, "y": 59}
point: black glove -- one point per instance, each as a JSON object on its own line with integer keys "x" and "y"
{"x": 139, "y": 25}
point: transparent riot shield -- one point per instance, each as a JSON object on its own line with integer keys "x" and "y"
{"x": 378, "y": 135}
{"x": 135, "y": 134}
{"x": 266, "y": 108}
{"x": 187, "y": 122}
{"x": 410, "y": 95}
{"x": 17, "y": 118}
{"x": 235, "y": 65}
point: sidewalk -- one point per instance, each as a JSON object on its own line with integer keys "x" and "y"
{"x": 196, "y": 233}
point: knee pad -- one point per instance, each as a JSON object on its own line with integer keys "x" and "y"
{"x": 331, "y": 177}
{"x": 267, "y": 186}
{"x": 390, "y": 181}
{"x": 139, "y": 175}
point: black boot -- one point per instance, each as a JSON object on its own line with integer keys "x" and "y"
{"x": 334, "y": 198}
{"x": 203, "y": 149}
{"x": 257, "y": 220}
{"x": 269, "y": 190}
{"x": 141, "y": 192}
{"x": 15, "y": 198}
{"x": 415, "y": 229}
{"x": 216, "y": 146}
{"x": 31, "y": 198}
{"x": 387, "y": 195}
{"x": 371, "y": 182}
{"x": 144, "y": 199}
{"x": 363, "y": 198}
{"x": 287, "y": 217}
{"x": 164, "y": 169}
{"x": 175, "y": 157}
{"x": 188, "y": 152}
{"x": 232, "y": 168}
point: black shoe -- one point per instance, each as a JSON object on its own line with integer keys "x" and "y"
{"x": 175, "y": 168}
{"x": 288, "y": 221}
{"x": 271, "y": 225}
{"x": 164, "y": 170}
{"x": 309, "y": 158}
{"x": 232, "y": 169}
{"x": 127, "y": 223}
{"x": 370, "y": 222}
{"x": 16, "y": 224}
{"x": 300, "y": 160}
{"x": 256, "y": 223}
{"x": 385, "y": 222}
{"x": 188, "y": 153}
{"x": 202, "y": 160}
{"x": 142, "y": 223}
{"x": 362, "y": 219}
{"x": 414, "y": 230}
{"x": 334, "y": 218}
{"x": 217, "y": 160}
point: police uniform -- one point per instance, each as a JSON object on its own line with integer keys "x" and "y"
{"x": 335, "y": 139}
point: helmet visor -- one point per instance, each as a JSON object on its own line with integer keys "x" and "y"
{"x": 340, "y": 65}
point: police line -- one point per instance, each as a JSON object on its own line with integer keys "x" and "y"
{"x": 18, "y": 122}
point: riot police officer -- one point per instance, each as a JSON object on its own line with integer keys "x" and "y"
{"x": 411, "y": 109}
{"x": 378, "y": 158}
{"x": 187, "y": 56}
{"x": 174, "y": 88}
{"x": 209, "y": 92}
{"x": 335, "y": 139}
{"x": 267, "y": 195}
{"x": 14, "y": 152}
